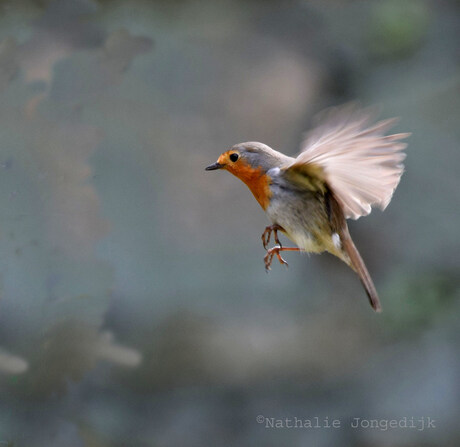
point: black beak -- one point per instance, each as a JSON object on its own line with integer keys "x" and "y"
{"x": 214, "y": 166}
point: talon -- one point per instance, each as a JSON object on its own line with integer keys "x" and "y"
{"x": 268, "y": 258}
{"x": 275, "y": 235}
{"x": 268, "y": 263}
{"x": 266, "y": 235}
{"x": 281, "y": 259}
{"x": 271, "y": 252}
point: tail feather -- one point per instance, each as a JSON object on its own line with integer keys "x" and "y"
{"x": 357, "y": 264}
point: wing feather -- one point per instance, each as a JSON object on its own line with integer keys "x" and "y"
{"x": 360, "y": 164}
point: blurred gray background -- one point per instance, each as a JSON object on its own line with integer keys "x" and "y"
{"x": 134, "y": 306}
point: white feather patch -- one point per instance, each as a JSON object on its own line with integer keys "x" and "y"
{"x": 273, "y": 172}
{"x": 336, "y": 240}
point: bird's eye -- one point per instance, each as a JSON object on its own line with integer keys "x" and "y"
{"x": 233, "y": 157}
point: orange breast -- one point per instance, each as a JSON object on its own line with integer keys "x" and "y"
{"x": 257, "y": 181}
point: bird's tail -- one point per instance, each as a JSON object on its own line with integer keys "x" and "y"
{"x": 357, "y": 264}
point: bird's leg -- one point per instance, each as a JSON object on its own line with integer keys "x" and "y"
{"x": 266, "y": 235}
{"x": 276, "y": 251}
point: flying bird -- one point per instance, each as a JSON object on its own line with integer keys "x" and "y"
{"x": 346, "y": 166}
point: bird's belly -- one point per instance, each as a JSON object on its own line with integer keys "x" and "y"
{"x": 305, "y": 241}
{"x": 302, "y": 224}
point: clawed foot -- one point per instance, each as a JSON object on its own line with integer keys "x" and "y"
{"x": 266, "y": 235}
{"x": 268, "y": 259}
{"x": 271, "y": 252}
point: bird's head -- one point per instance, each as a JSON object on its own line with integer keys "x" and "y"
{"x": 247, "y": 159}
{"x": 250, "y": 162}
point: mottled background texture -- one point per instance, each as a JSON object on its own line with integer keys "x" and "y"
{"x": 134, "y": 307}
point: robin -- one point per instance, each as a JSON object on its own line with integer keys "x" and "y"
{"x": 346, "y": 165}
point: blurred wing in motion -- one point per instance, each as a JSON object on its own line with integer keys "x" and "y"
{"x": 356, "y": 160}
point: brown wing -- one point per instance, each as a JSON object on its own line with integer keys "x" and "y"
{"x": 358, "y": 162}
